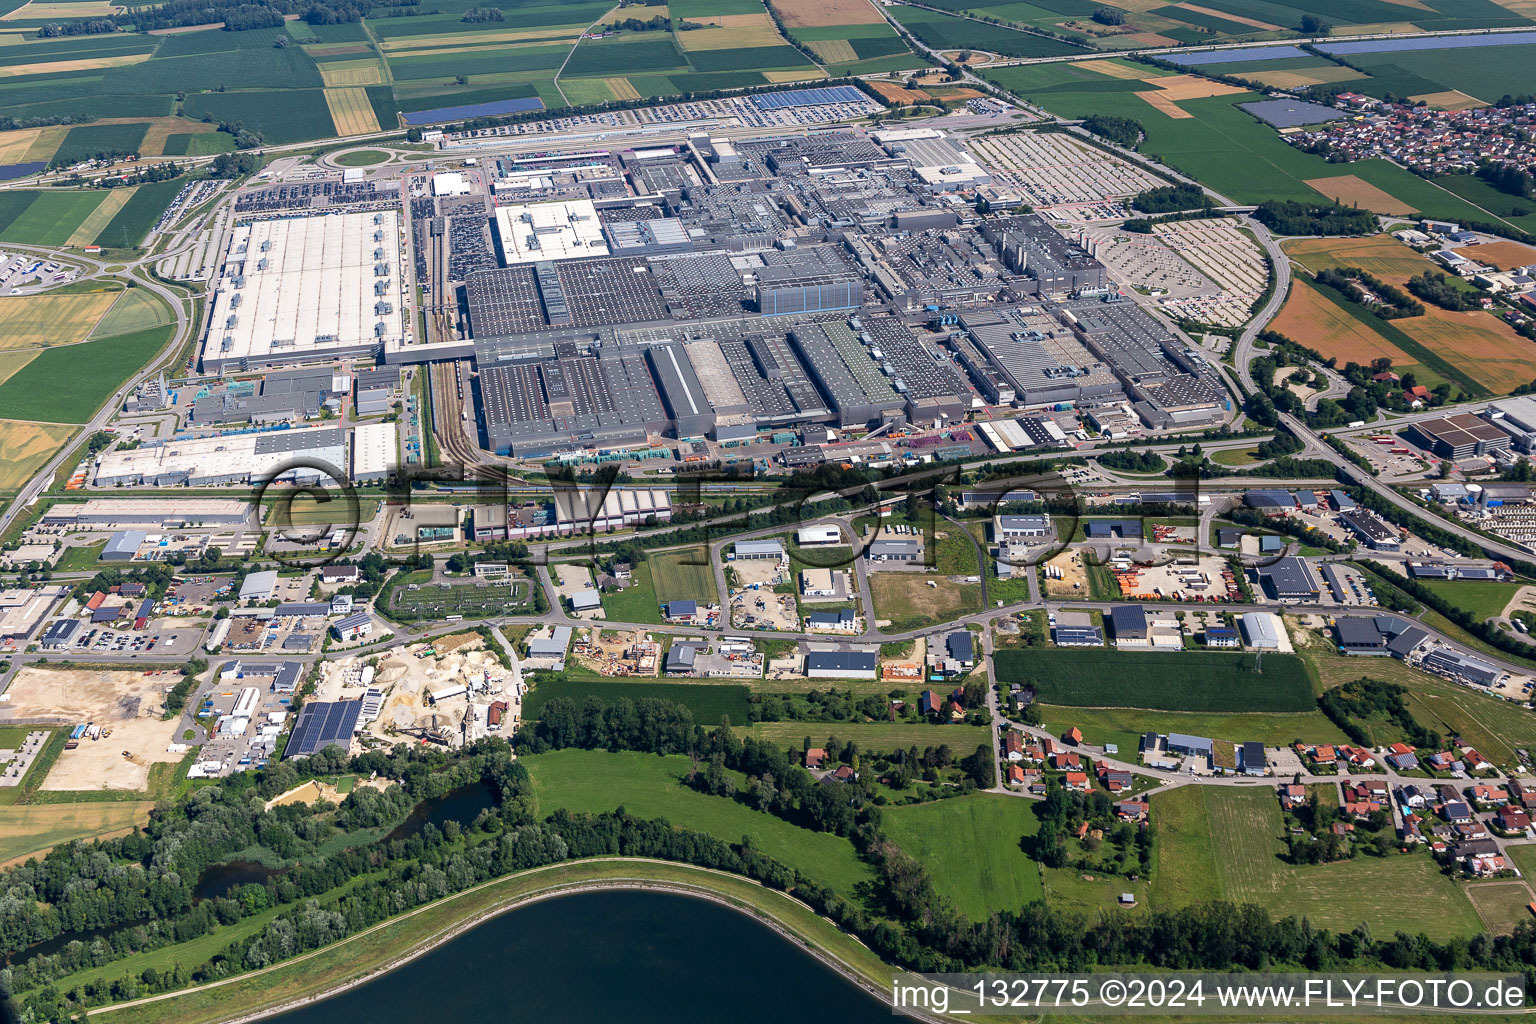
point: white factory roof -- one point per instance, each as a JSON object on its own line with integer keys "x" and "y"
{"x": 307, "y": 287}
{"x": 205, "y": 460}
{"x": 582, "y": 506}
{"x": 550, "y": 231}
{"x": 449, "y": 183}
{"x": 129, "y": 511}
{"x": 374, "y": 450}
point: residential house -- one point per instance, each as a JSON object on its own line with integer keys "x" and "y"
{"x": 1456, "y": 812}
{"x": 1013, "y": 745}
{"x": 1132, "y": 810}
{"x": 1474, "y": 761}
{"x": 1292, "y": 796}
{"x": 1073, "y": 736}
{"x": 1077, "y": 782}
{"x": 1487, "y": 796}
{"x": 1015, "y": 775}
{"x": 1510, "y": 820}
{"x": 1116, "y": 780}
{"x": 815, "y": 757}
{"x": 1485, "y": 865}
{"x": 1066, "y": 760}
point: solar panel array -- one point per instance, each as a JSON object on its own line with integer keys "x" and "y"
{"x": 808, "y": 97}
{"x": 322, "y": 724}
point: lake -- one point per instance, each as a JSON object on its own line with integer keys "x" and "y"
{"x": 462, "y": 805}
{"x": 613, "y": 956}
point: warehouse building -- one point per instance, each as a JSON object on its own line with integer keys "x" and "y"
{"x": 1026, "y": 357}
{"x": 22, "y": 609}
{"x": 322, "y": 724}
{"x": 375, "y": 452}
{"x": 681, "y": 391}
{"x": 1011, "y": 528}
{"x": 214, "y": 461}
{"x": 299, "y": 289}
{"x": 846, "y": 374}
{"x": 1261, "y": 630}
{"x": 757, "y": 549}
{"x": 123, "y": 546}
{"x": 894, "y": 551}
{"x": 1289, "y": 579}
{"x": 162, "y": 513}
{"x": 376, "y": 390}
{"x": 578, "y": 510}
{"x": 559, "y": 230}
{"x": 840, "y": 664}
{"x": 1461, "y": 436}
{"x": 1371, "y": 529}
{"x": 1447, "y": 661}
{"x": 1029, "y": 245}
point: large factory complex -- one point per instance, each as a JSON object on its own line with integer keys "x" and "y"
{"x": 610, "y": 300}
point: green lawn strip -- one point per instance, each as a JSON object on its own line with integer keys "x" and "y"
{"x": 1171, "y": 681}
{"x": 650, "y": 786}
{"x": 882, "y": 737}
{"x": 683, "y": 575}
{"x": 1483, "y": 599}
{"x": 1125, "y": 725}
{"x": 636, "y": 602}
{"x": 971, "y": 847}
{"x": 1184, "y": 856}
{"x": 382, "y": 946}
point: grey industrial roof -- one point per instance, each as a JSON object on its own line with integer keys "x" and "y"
{"x": 1128, "y": 619}
{"x": 1358, "y": 632}
{"x": 960, "y": 645}
{"x": 840, "y": 661}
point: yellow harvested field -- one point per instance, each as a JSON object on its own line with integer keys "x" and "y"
{"x": 79, "y": 64}
{"x": 59, "y": 11}
{"x": 1303, "y": 78}
{"x": 34, "y": 829}
{"x": 1379, "y": 28}
{"x": 793, "y": 75}
{"x": 1160, "y": 101}
{"x": 1451, "y": 99}
{"x": 1524, "y": 8}
{"x": 1111, "y": 69}
{"x": 1228, "y": 16}
{"x": 834, "y": 51}
{"x": 25, "y": 447}
{"x": 348, "y": 72}
{"x": 898, "y": 94}
{"x": 459, "y": 40}
{"x": 729, "y": 31}
{"x": 10, "y": 362}
{"x": 1483, "y": 346}
{"x": 1310, "y": 318}
{"x": 1191, "y": 87}
{"x": 1148, "y": 39}
{"x": 100, "y": 217}
{"x": 336, "y": 49}
{"x": 351, "y": 111}
{"x": 1503, "y": 255}
{"x": 160, "y": 129}
{"x": 15, "y": 145}
{"x": 621, "y": 89}
{"x": 813, "y": 13}
{"x": 1349, "y": 190}
{"x": 43, "y": 321}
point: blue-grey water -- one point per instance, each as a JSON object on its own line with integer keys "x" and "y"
{"x": 610, "y": 957}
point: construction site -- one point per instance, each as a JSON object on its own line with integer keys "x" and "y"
{"x": 122, "y": 735}
{"x": 450, "y": 691}
{"x": 1185, "y": 579}
{"x": 609, "y": 653}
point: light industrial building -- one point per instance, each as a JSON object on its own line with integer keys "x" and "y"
{"x": 300, "y": 455}
{"x": 561, "y": 230}
{"x": 581, "y": 509}
{"x": 305, "y": 288}
{"x": 375, "y": 454}
{"x": 164, "y": 513}
{"x": 1461, "y": 436}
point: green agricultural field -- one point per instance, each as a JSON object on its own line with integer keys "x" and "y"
{"x": 280, "y": 115}
{"x": 684, "y": 575}
{"x": 264, "y": 68}
{"x": 134, "y": 310}
{"x": 1486, "y": 73}
{"x": 944, "y": 32}
{"x": 86, "y": 141}
{"x": 618, "y": 55}
{"x": 1172, "y": 681}
{"x": 450, "y": 63}
{"x": 199, "y": 143}
{"x": 972, "y": 848}
{"x": 37, "y": 829}
{"x": 747, "y": 58}
{"x": 649, "y": 786}
{"x": 885, "y": 737}
{"x": 1484, "y": 600}
{"x": 129, "y": 225}
{"x": 45, "y": 218}
{"x": 709, "y": 702}
{"x": 1125, "y": 725}
{"x": 1221, "y": 842}
{"x": 68, "y": 385}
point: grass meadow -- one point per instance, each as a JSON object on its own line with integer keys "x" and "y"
{"x": 1171, "y": 681}
{"x": 973, "y": 848}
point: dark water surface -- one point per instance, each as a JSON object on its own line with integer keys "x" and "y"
{"x": 612, "y": 957}
{"x": 462, "y": 805}
{"x": 219, "y": 881}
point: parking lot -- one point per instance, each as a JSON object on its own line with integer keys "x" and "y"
{"x": 158, "y": 638}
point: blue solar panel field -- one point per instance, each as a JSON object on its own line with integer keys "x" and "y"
{"x": 495, "y": 108}
{"x": 1430, "y": 43}
{"x": 1240, "y": 54}
{"x": 808, "y": 97}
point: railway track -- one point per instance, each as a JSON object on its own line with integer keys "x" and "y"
{"x": 448, "y": 383}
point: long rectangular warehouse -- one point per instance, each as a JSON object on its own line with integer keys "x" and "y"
{"x": 156, "y": 512}
{"x": 241, "y": 458}
{"x": 306, "y": 288}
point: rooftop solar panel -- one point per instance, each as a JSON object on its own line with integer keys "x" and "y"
{"x": 807, "y": 97}
{"x": 322, "y": 724}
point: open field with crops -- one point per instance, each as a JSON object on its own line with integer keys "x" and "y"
{"x": 25, "y": 447}
{"x": 69, "y": 384}
{"x": 1172, "y": 681}
{"x": 884, "y": 737}
{"x": 973, "y": 848}
{"x": 1220, "y": 842}
{"x": 49, "y": 319}
{"x": 37, "y": 828}
{"x": 1475, "y": 349}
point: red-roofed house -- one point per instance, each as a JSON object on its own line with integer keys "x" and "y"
{"x": 1077, "y": 781}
